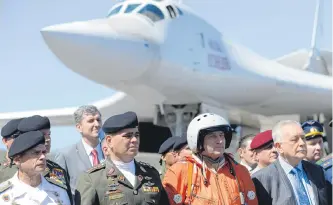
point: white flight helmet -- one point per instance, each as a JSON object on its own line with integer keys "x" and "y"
{"x": 205, "y": 121}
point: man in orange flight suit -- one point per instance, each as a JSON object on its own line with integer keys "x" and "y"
{"x": 209, "y": 175}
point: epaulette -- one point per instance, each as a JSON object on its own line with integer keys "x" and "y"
{"x": 5, "y": 185}
{"x": 96, "y": 167}
{"x": 52, "y": 164}
{"x": 323, "y": 160}
{"x": 146, "y": 164}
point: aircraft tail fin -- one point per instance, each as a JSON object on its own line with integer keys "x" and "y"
{"x": 315, "y": 59}
{"x": 320, "y": 63}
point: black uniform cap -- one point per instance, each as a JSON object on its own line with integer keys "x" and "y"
{"x": 119, "y": 122}
{"x": 34, "y": 123}
{"x": 25, "y": 142}
{"x": 167, "y": 145}
{"x": 11, "y": 128}
{"x": 180, "y": 142}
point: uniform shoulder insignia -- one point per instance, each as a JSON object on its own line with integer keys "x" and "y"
{"x": 5, "y": 185}
{"x": 145, "y": 164}
{"x": 95, "y": 168}
{"x": 51, "y": 163}
{"x": 325, "y": 161}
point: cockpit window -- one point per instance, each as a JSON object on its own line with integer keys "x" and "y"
{"x": 131, "y": 7}
{"x": 179, "y": 11}
{"x": 152, "y": 12}
{"x": 115, "y": 10}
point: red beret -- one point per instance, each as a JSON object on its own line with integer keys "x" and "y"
{"x": 261, "y": 139}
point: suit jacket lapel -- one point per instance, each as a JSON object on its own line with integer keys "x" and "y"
{"x": 82, "y": 155}
{"x": 311, "y": 179}
{"x": 285, "y": 180}
{"x": 114, "y": 174}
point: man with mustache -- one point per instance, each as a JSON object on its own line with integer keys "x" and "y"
{"x": 264, "y": 151}
{"x": 120, "y": 179}
{"x": 53, "y": 170}
{"x": 291, "y": 180}
{"x": 29, "y": 185}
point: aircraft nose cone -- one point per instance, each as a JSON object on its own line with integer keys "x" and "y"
{"x": 96, "y": 51}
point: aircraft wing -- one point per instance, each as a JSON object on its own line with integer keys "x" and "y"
{"x": 118, "y": 103}
{"x": 298, "y": 59}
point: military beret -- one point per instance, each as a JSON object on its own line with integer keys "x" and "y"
{"x": 167, "y": 145}
{"x": 119, "y": 122}
{"x": 34, "y": 123}
{"x": 180, "y": 142}
{"x": 25, "y": 142}
{"x": 261, "y": 139}
{"x": 312, "y": 129}
{"x": 10, "y": 128}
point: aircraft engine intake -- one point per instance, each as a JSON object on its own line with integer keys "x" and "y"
{"x": 176, "y": 117}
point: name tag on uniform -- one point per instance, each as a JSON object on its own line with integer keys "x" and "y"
{"x": 154, "y": 189}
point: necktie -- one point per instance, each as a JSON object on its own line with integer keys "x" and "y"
{"x": 95, "y": 157}
{"x": 300, "y": 189}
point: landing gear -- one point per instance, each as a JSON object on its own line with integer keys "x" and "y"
{"x": 176, "y": 117}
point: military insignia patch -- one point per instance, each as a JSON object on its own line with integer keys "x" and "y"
{"x": 251, "y": 195}
{"x": 110, "y": 172}
{"x": 58, "y": 175}
{"x": 5, "y": 197}
{"x": 121, "y": 178}
{"x": 177, "y": 198}
{"x": 140, "y": 178}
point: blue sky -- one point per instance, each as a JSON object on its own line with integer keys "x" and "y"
{"x": 32, "y": 77}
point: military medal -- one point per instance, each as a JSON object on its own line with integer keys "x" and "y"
{"x": 116, "y": 196}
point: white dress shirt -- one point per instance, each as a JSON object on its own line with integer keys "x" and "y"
{"x": 88, "y": 149}
{"x": 287, "y": 168}
{"x": 128, "y": 170}
{"x": 22, "y": 193}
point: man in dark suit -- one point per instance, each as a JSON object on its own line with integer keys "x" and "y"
{"x": 290, "y": 180}
{"x": 81, "y": 156}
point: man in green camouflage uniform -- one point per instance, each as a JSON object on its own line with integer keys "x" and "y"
{"x": 121, "y": 179}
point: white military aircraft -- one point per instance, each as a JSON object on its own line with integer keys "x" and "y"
{"x": 169, "y": 64}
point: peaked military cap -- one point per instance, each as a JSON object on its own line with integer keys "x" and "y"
{"x": 11, "y": 128}
{"x": 25, "y": 142}
{"x": 180, "y": 142}
{"x": 167, "y": 145}
{"x": 312, "y": 129}
{"x": 261, "y": 139}
{"x": 119, "y": 122}
{"x": 34, "y": 123}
